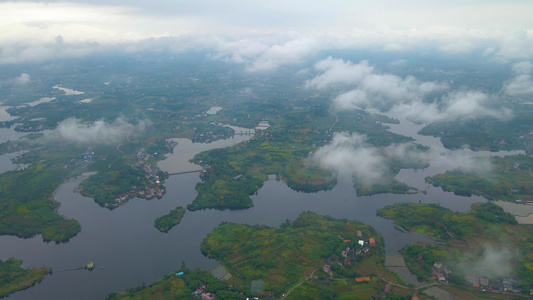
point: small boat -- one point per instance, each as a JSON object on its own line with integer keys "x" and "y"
{"x": 90, "y": 266}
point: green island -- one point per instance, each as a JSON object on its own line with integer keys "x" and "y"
{"x": 173, "y": 218}
{"x": 15, "y": 278}
{"x": 318, "y": 250}
{"x": 482, "y": 249}
{"x": 313, "y": 257}
{"x": 511, "y": 179}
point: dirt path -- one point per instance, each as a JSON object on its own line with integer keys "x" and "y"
{"x": 300, "y": 283}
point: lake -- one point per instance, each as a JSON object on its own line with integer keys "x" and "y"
{"x": 131, "y": 251}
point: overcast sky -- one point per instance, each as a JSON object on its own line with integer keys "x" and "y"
{"x": 259, "y": 30}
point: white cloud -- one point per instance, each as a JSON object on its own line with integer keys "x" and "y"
{"x": 289, "y": 53}
{"x": 97, "y": 132}
{"x": 370, "y": 85}
{"x": 249, "y": 34}
{"x": 523, "y": 67}
{"x": 456, "y": 105}
{"x": 351, "y": 155}
{"x": 404, "y": 96}
{"x": 23, "y": 79}
{"x": 520, "y": 85}
{"x": 517, "y": 46}
{"x": 338, "y": 71}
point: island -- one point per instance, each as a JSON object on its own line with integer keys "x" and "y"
{"x": 480, "y": 250}
{"x": 312, "y": 257}
{"x": 510, "y": 179}
{"x": 173, "y": 218}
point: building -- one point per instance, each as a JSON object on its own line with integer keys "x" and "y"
{"x": 484, "y": 281}
{"x": 326, "y": 268}
{"x": 372, "y": 242}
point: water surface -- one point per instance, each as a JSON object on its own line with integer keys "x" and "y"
{"x": 125, "y": 242}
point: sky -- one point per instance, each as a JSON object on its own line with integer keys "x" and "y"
{"x": 264, "y": 35}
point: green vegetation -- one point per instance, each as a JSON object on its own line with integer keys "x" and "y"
{"x": 14, "y": 278}
{"x": 420, "y": 258}
{"x": 26, "y": 204}
{"x": 180, "y": 287}
{"x": 296, "y": 251}
{"x": 511, "y": 179}
{"x": 173, "y": 218}
{"x": 444, "y": 224}
{"x": 483, "y": 242}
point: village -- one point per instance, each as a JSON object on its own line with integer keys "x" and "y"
{"x": 350, "y": 254}
{"x": 441, "y": 273}
{"x": 153, "y": 188}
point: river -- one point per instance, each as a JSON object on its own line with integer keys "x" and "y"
{"x": 129, "y": 251}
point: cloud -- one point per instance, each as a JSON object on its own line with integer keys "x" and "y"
{"x": 404, "y": 96}
{"x": 292, "y": 52}
{"x": 522, "y": 83}
{"x": 455, "y": 105}
{"x": 20, "y": 80}
{"x": 32, "y": 26}
{"x": 371, "y": 88}
{"x": 460, "y": 159}
{"x": 73, "y": 130}
{"x": 491, "y": 263}
{"x": 523, "y": 67}
{"x": 23, "y": 79}
{"x": 517, "y": 46}
{"x": 338, "y": 71}
{"x": 351, "y": 155}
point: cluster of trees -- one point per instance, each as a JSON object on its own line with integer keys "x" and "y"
{"x": 432, "y": 219}
{"x": 420, "y": 258}
{"x": 465, "y": 184}
{"x": 173, "y": 218}
{"x": 493, "y": 213}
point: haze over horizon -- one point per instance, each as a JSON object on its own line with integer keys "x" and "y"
{"x": 264, "y": 35}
